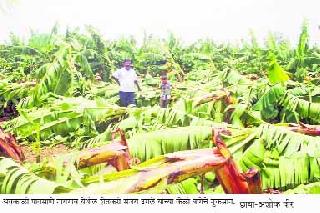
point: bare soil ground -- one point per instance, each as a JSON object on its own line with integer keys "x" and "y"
{"x": 45, "y": 152}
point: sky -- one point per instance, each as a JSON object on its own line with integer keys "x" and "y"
{"x": 220, "y": 20}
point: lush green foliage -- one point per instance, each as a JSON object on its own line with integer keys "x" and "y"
{"x": 247, "y": 88}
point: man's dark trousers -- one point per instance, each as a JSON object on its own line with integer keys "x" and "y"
{"x": 126, "y": 98}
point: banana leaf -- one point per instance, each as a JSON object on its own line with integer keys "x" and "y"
{"x": 285, "y": 158}
{"x": 15, "y": 179}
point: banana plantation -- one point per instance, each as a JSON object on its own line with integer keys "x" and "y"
{"x": 243, "y": 118}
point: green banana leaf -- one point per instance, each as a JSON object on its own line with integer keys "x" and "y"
{"x": 152, "y": 144}
{"x": 15, "y": 179}
{"x": 285, "y": 159}
{"x": 63, "y": 117}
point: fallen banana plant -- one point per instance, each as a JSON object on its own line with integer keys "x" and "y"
{"x": 9, "y": 147}
{"x": 154, "y": 175}
{"x": 115, "y": 154}
{"x": 231, "y": 180}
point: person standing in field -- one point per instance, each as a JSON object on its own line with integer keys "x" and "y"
{"x": 165, "y": 95}
{"x": 127, "y": 78}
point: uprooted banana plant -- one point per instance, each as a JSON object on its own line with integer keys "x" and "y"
{"x": 155, "y": 174}
{"x": 228, "y": 174}
{"x": 116, "y": 154}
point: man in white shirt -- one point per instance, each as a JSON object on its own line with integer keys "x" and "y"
{"x": 127, "y": 78}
